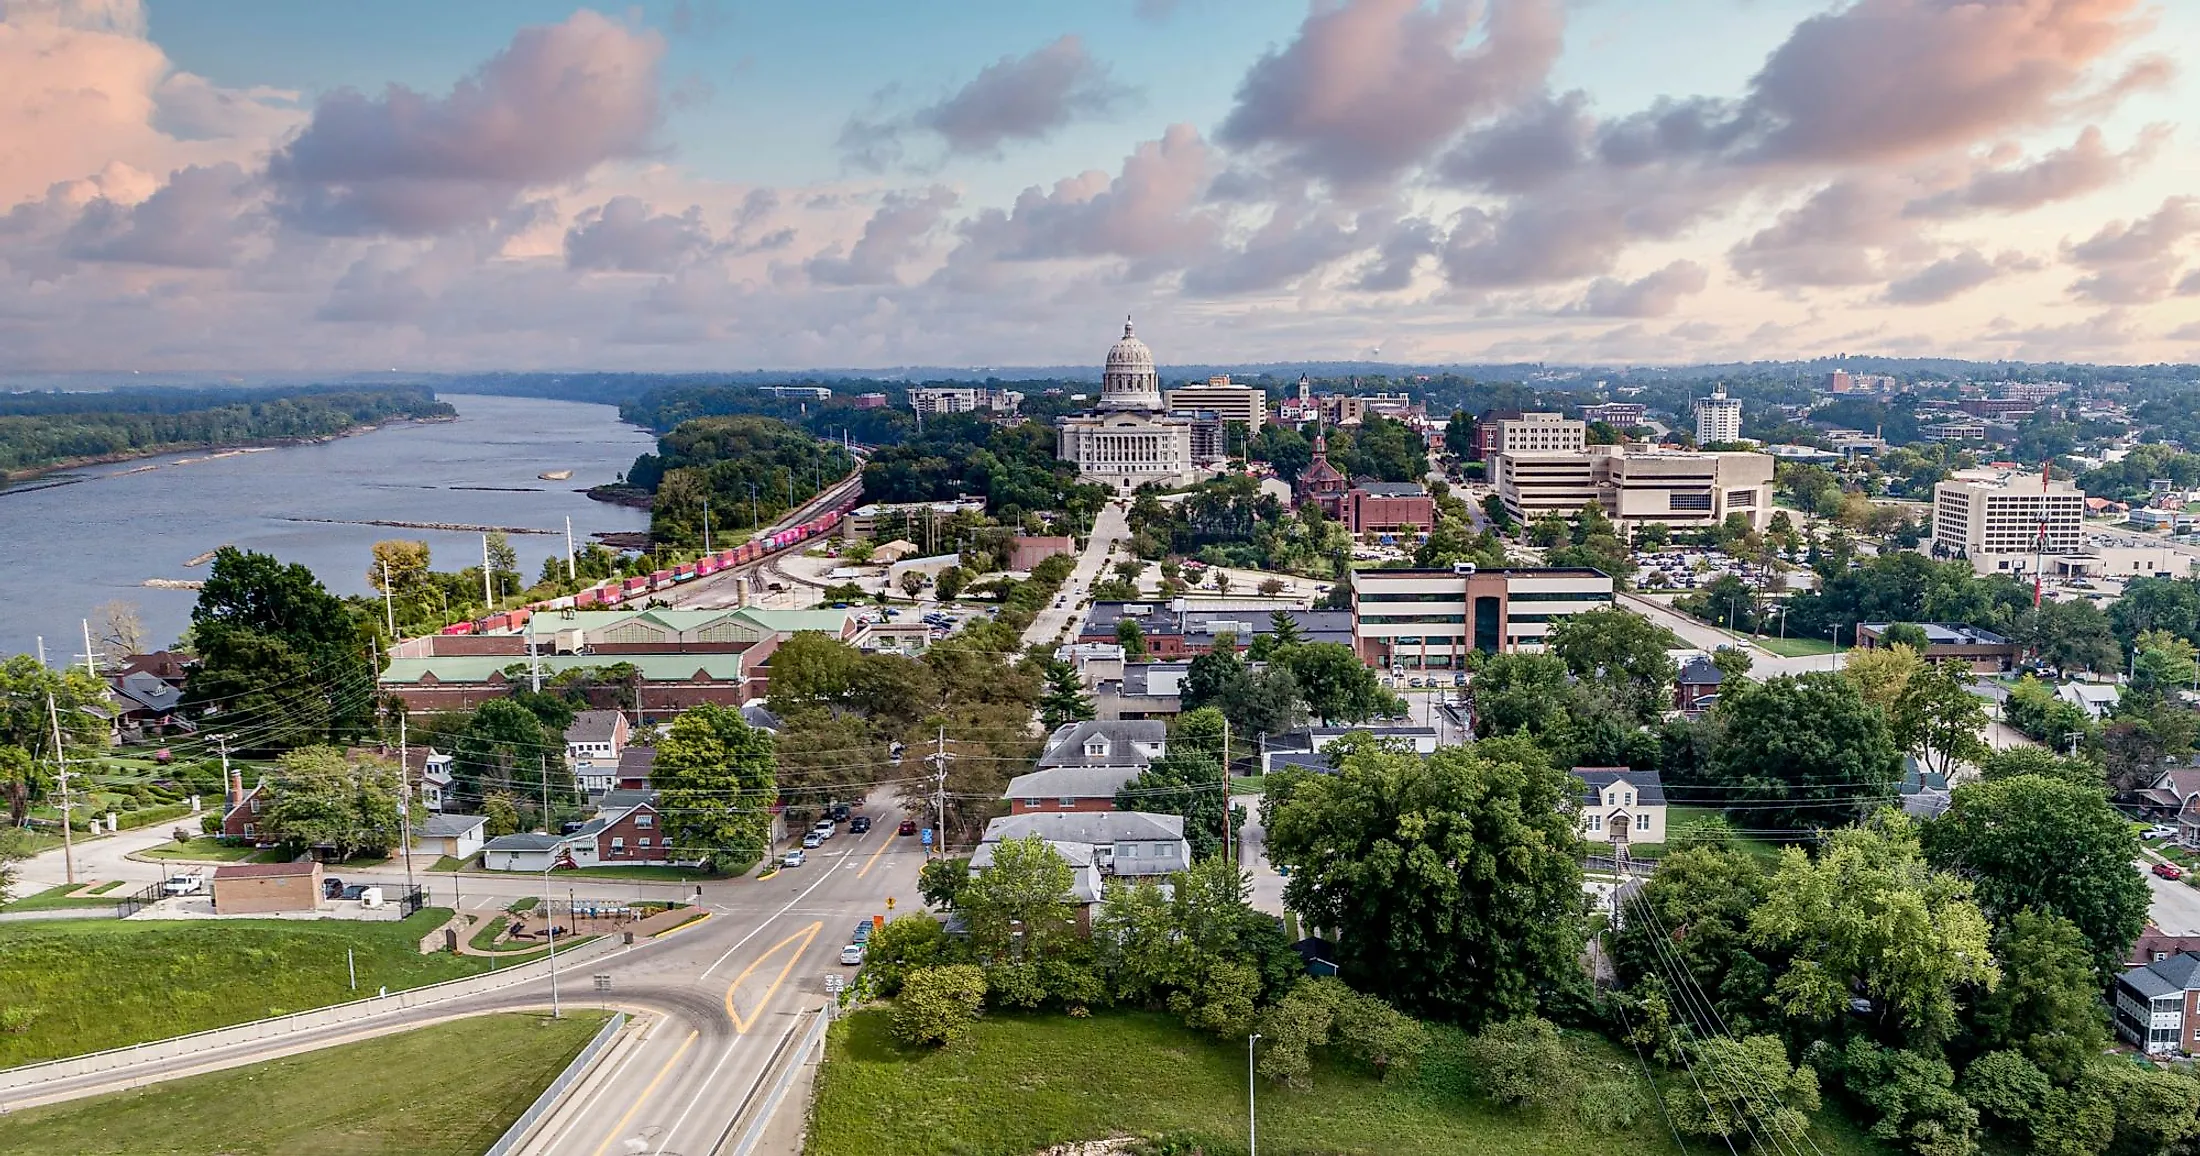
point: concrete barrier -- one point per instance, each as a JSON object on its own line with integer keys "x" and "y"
{"x": 509, "y": 1142}
{"x": 30, "y": 1076}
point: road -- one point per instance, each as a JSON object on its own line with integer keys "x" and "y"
{"x": 1110, "y": 526}
{"x": 1763, "y": 663}
{"x": 719, "y": 995}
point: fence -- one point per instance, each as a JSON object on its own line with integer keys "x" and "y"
{"x": 1636, "y": 867}
{"x": 139, "y": 900}
{"x": 30, "y": 1076}
{"x": 509, "y": 1142}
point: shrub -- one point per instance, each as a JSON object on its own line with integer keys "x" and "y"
{"x": 1610, "y": 1105}
{"x": 1522, "y": 1063}
{"x": 2005, "y": 1087}
{"x": 1734, "y": 1077}
{"x": 938, "y": 1004}
{"x": 902, "y": 946}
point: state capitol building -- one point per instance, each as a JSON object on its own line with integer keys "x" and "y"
{"x": 1132, "y": 438}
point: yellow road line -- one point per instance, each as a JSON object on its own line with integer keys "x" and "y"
{"x": 807, "y": 935}
{"x": 636, "y": 1106}
{"x": 883, "y": 844}
{"x": 682, "y": 927}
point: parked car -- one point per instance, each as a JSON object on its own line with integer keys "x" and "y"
{"x": 859, "y": 824}
{"x": 863, "y": 932}
{"x": 331, "y": 887}
{"x": 852, "y": 955}
{"x": 183, "y": 885}
{"x": 353, "y": 891}
{"x": 793, "y": 859}
{"x": 2160, "y": 831}
{"x": 837, "y": 812}
{"x": 2169, "y": 871}
{"x": 908, "y": 827}
{"x": 811, "y": 840}
{"x": 824, "y": 829}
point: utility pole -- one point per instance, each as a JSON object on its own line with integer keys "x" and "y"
{"x": 534, "y": 664}
{"x": 706, "y": 525}
{"x": 91, "y": 657}
{"x": 404, "y": 799}
{"x": 389, "y": 606}
{"x": 488, "y": 596}
{"x": 68, "y": 840}
{"x": 542, "y": 772}
{"x": 41, "y": 650}
{"x": 939, "y": 796}
{"x": 1228, "y": 840}
{"x": 550, "y": 925}
{"x": 570, "y": 573}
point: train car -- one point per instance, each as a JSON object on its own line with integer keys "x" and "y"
{"x": 727, "y": 557}
{"x": 459, "y": 628}
{"x": 587, "y": 598}
{"x": 660, "y": 579}
{"x": 520, "y": 617}
{"x": 496, "y": 622}
{"x": 706, "y": 566}
{"x": 639, "y": 584}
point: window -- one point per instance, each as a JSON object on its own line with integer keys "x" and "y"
{"x": 618, "y": 844}
{"x": 1127, "y": 850}
{"x": 1643, "y": 821}
{"x": 248, "y": 829}
{"x": 1069, "y": 800}
{"x": 1611, "y": 798}
{"x": 1596, "y": 822}
{"x": 1031, "y": 802}
{"x": 642, "y": 842}
{"x": 645, "y": 822}
{"x": 1630, "y": 798}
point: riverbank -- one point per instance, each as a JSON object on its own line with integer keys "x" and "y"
{"x": 11, "y": 480}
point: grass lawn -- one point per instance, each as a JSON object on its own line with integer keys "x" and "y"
{"x": 648, "y": 874}
{"x": 1796, "y": 647}
{"x": 53, "y": 897}
{"x": 377, "y": 1097}
{"x": 110, "y": 885}
{"x": 211, "y": 850}
{"x": 93, "y": 984}
{"x": 1676, "y": 816}
{"x": 1022, "y": 1083}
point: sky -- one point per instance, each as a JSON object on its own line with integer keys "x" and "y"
{"x": 264, "y": 186}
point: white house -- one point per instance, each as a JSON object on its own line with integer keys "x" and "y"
{"x": 1122, "y": 842}
{"x": 1621, "y": 804}
{"x": 457, "y": 836}
{"x": 592, "y": 747}
{"x": 435, "y": 780}
{"x": 2096, "y": 699}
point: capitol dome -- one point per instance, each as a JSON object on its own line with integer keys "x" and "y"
{"x": 1129, "y": 382}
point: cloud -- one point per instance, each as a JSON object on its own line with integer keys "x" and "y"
{"x": 894, "y": 234}
{"x": 1147, "y": 213}
{"x": 1835, "y": 237}
{"x": 2068, "y": 172}
{"x": 2135, "y": 262}
{"x": 1527, "y": 149}
{"x": 1953, "y": 276}
{"x": 1655, "y": 295}
{"x": 1016, "y": 98}
{"x": 1371, "y": 87}
{"x": 376, "y": 291}
{"x": 195, "y": 221}
{"x": 559, "y": 101}
{"x": 622, "y": 235}
{"x": 2190, "y": 286}
{"x": 1297, "y": 239}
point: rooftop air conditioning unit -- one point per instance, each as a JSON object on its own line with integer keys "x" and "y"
{"x": 1462, "y": 568}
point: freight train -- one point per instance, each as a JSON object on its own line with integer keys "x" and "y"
{"x": 615, "y": 591}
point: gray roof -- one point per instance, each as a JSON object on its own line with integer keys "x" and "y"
{"x": 593, "y": 726}
{"x": 438, "y": 826}
{"x": 1699, "y": 671}
{"x": 1947, "y": 634}
{"x": 755, "y": 714}
{"x": 637, "y": 761}
{"x": 526, "y": 841}
{"x": 1138, "y": 676}
{"x": 1070, "y": 783}
{"x": 1066, "y": 746}
{"x": 1318, "y": 761}
{"x": 1085, "y": 826}
{"x": 1394, "y": 489}
{"x": 1648, "y": 787}
{"x": 620, "y": 800}
{"x": 149, "y": 692}
{"x": 1315, "y": 738}
{"x": 2178, "y": 973}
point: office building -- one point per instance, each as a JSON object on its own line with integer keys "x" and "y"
{"x": 1389, "y": 511}
{"x": 1534, "y": 433}
{"x": 1635, "y": 486}
{"x": 2002, "y": 522}
{"x": 1620, "y": 415}
{"x": 1718, "y": 418}
{"x": 933, "y": 401}
{"x": 1228, "y": 402}
{"x": 795, "y": 392}
{"x": 1417, "y": 620}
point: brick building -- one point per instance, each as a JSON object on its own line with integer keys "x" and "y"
{"x": 257, "y": 888}
{"x": 1387, "y": 511}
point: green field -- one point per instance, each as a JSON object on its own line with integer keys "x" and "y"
{"x": 378, "y": 1097}
{"x": 93, "y": 984}
{"x": 56, "y": 897}
{"x": 1022, "y": 1083}
{"x": 207, "y": 849}
{"x": 1677, "y": 815}
{"x": 1795, "y": 647}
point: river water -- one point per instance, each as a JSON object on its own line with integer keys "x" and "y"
{"x": 66, "y": 549}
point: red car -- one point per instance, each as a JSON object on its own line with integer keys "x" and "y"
{"x": 908, "y": 827}
{"x": 2169, "y": 871}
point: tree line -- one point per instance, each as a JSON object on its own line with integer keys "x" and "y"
{"x": 43, "y": 429}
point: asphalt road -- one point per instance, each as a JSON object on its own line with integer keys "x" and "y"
{"x": 1110, "y": 526}
{"x": 720, "y": 994}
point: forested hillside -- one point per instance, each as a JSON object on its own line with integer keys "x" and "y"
{"x": 45, "y": 429}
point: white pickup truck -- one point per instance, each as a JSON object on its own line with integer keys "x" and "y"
{"x": 184, "y": 885}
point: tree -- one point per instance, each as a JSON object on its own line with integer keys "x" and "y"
{"x": 1519, "y": 691}
{"x": 2018, "y": 761}
{"x": 939, "y": 881}
{"x": 1211, "y": 676}
{"x": 503, "y": 562}
{"x": 904, "y": 945}
{"x": 499, "y": 747}
{"x": 1270, "y": 587}
{"x": 1522, "y": 1063}
{"x": 1881, "y": 674}
{"x": 1744, "y": 1088}
{"x": 1201, "y": 731}
{"x": 121, "y": 629}
{"x": 270, "y": 637}
{"x": 1913, "y": 1093}
{"x": 1021, "y": 898}
{"x": 912, "y": 584}
{"x": 1623, "y": 650}
{"x": 1265, "y": 702}
{"x": 26, "y": 725}
{"x": 1938, "y": 719}
{"x": 318, "y": 798}
{"x": 938, "y": 1004}
{"x": 1065, "y": 700}
{"x": 1709, "y": 890}
{"x": 1130, "y": 638}
{"x": 1324, "y": 1013}
{"x": 2069, "y": 636}
{"x": 1908, "y": 634}
{"x": 1809, "y": 747}
{"x": 1869, "y": 915}
{"x": 24, "y": 781}
{"x": 1190, "y": 783}
{"x": 2161, "y": 665}
{"x": 1999, "y": 835}
{"x": 2048, "y": 1005}
{"x": 1335, "y": 684}
{"x": 1283, "y": 629}
{"x": 950, "y": 583}
{"x": 501, "y": 813}
{"x": 2006, "y": 1088}
{"x": 399, "y": 567}
{"x": 1493, "y": 508}
{"x": 716, "y": 777}
{"x": 1453, "y": 881}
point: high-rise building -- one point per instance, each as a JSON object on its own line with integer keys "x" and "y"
{"x": 1227, "y": 401}
{"x": 1536, "y": 433}
{"x": 2002, "y": 522}
{"x": 1718, "y": 418}
{"x": 1620, "y": 415}
{"x": 1634, "y": 487}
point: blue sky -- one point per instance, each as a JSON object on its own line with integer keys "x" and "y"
{"x": 261, "y": 185}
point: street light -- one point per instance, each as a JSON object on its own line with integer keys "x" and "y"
{"x": 1252, "y": 1120}
{"x": 550, "y": 925}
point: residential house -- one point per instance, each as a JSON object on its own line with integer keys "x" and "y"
{"x": 1621, "y": 805}
{"x": 2155, "y": 945}
{"x": 1696, "y": 687}
{"x": 626, "y": 830}
{"x": 1122, "y": 842}
{"x": 1308, "y": 748}
{"x": 2155, "y": 1008}
{"x": 455, "y": 836}
{"x": 429, "y": 771}
{"x": 592, "y": 747}
{"x": 1142, "y": 690}
{"x": 1128, "y": 745}
{"x": 2096, "y": 699}
{"x": 2167, "y": 798}
{"x": 634, "y": 767}
{"x": 1085, "y": 887}
{"x": 1067, "y": 789}
{"x": 145, "y": 703}
{"x": 241, "y": 815}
